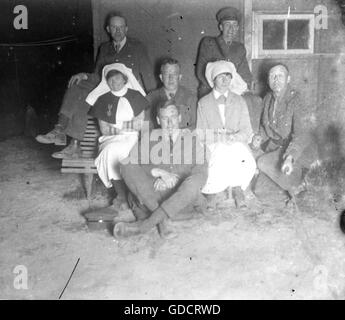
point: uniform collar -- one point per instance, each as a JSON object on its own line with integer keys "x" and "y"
{"x": 222, "y": 41}
{"x": 122, "y": 43}
{"x": 284, "y": 94}
{"x": 167, "y": 93}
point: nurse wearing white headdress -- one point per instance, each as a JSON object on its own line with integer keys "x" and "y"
{"x": 117, "y": 102}
{"x": 224, "y": 113}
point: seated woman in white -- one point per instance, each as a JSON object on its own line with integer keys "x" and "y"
{"x": 118, "y": 103}
{"x": 224, "y": 126}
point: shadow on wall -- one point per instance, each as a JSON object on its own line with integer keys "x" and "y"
{"x": 330, "y": 170}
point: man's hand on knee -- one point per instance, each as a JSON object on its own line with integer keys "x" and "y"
{"x": 166, "y": 180}
{"x": 256, "y": 142}
{"x": 77, "y": 78}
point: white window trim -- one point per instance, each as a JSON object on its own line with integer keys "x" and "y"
{"x": 259, "y": 17}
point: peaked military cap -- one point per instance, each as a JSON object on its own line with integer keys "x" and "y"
{"x": 228, "y": 13}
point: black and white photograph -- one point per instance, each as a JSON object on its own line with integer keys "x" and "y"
{"x": 176, "y": 150}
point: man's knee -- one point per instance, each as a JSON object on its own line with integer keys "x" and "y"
{"x": 127, "y": 169}
{"x": 194, "y": 184}
{"x": 128, "y": 172}
{"x": 263, "y": 164}
{"x": 269, "y": 162}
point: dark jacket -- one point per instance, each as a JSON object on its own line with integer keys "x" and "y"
{"x": 133, "y": 55}
{"x": 185, "y": 100}
{"x": 214, "y": 49}
{"x": 287, "y": 127}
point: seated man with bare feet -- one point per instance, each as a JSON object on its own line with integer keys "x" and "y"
{"x": 165, "y": 173}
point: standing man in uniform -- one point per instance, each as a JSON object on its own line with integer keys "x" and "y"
{"x": 73, "y": 112}
{"x": 284, "y": 134}
{"x": 224, "y": 47}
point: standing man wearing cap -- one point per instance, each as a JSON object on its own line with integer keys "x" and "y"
{"x": 73, "y": 112}
{"x": 223, "y": 47}
{"x": 224, "y": 126}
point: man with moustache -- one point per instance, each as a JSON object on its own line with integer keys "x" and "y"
{"x": 284, "y": 135}
{"x": 73, "y": 112}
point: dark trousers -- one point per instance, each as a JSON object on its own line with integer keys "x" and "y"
{"x": 255, "y": 107}
{"x": 270, "y": 164}
{"x": 75, "y": 108}
{"x": 145, "y": 199}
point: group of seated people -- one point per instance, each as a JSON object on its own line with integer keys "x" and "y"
{"x": 162, "y": 151}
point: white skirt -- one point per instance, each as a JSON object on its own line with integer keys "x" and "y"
{"x": 230, "y": 165}
{"x": 112, "y": 150}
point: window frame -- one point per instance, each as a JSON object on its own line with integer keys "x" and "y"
{"x": 258, "y": 19}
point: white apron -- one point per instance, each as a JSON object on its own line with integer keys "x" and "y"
{"x": 112, "y": 150}
{"x": 230, "y": 165}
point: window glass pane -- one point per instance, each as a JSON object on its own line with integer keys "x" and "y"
{"x": 273, "y": 34}
{"x": 298, "y": 34}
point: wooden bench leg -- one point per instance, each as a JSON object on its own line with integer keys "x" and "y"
{"x": 88, "y": 179}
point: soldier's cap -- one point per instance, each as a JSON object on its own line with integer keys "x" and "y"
{"x": 228, "y": 13}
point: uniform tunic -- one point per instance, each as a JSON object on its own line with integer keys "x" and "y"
{"x": 185, "y": 100}
{"x": 284, "y": 129}
{"x": 182, "y": 158}
{"x": 214, "y": 49}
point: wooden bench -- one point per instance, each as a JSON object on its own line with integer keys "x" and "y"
{"x": 85, "y": 165}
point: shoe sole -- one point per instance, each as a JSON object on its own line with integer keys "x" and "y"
{"x": 60, "y": 143}
{"x": 44, "y": 141}
{"x": 62, "y": 156}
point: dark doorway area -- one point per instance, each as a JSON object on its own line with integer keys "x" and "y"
{"x": 36, "y": 63}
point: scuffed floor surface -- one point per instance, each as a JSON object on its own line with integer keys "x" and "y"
{"x": 264, "y": 252}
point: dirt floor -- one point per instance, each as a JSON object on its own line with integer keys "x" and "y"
{"x": 264, "y": 252}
